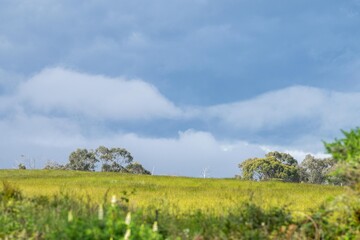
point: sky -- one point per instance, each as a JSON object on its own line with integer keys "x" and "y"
{"x": 184, "y": 85}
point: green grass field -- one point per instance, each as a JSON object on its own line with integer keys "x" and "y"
{"x": 178, "y": 193}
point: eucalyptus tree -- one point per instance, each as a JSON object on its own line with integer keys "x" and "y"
{"x": 268, "y": 168}
{"x": 113, "y": 159}
{"x": 284, "y": 158}
{"x": 82, "y": 160}
{"x": 316, "y": 170}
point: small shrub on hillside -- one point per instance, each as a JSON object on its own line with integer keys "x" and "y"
{"x": 52, "y": 165}
{"x": 22, "y": 166}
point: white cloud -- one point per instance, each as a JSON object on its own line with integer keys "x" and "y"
{"x": 326, "y": 110}
{"x": 60, "y": 90}
{"x": 271, "y": 109}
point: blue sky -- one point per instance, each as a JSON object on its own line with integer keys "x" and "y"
{"x": 183, "y": 85}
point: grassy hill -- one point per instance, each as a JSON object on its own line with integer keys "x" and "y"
{"x": 43, "y": 204}
{"x": 178, "y": 193}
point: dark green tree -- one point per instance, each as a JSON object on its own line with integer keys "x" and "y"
{"x": 136, "y": 168}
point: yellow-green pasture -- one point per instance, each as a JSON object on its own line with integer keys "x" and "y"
{"x": 177, "y": 193}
